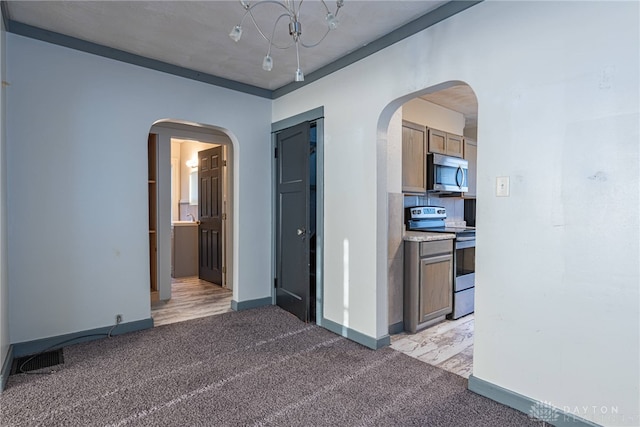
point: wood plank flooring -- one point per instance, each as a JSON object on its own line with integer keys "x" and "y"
{"x": 447, "y": 345}
{"x": 191, "y": 298}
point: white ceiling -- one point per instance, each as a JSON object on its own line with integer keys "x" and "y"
{"x": 194, "y": 34}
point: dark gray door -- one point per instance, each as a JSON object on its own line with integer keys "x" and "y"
{"x": 210, "y": 215}
{"x": 292, "y": 223}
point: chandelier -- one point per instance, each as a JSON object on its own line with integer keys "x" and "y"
{"x": 291, "y": 10}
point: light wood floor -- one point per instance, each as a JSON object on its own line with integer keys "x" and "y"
{"x": 191, "y": 298}
{"x": 447, "y": 345}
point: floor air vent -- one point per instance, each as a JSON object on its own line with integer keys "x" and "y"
{"x": 39, "y": 361}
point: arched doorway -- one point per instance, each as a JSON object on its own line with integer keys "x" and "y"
{"x": 447, "y": 110}
{"x": 183, "y": 290}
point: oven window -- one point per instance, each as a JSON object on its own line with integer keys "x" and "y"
{"x": 465, "y": 261}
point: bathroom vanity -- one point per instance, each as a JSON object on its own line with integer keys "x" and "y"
{"x": 184, "y": 249}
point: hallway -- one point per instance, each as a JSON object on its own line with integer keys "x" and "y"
{"x": 191, "y": 298}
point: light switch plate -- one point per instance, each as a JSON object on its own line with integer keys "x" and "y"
{"x": 502, "y": 186}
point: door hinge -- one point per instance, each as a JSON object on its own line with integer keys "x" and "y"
{"x": 275, "y": 282}
{"x": 276, "y": 153}
{"x": 224, "y": 269}
{"x": 224, "y": 216}
{"x": 224, "y": 163}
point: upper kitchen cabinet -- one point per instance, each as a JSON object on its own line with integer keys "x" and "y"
{"x": 414, "y": 152}
{"x": 455, "y": 145}
{"x": 445, "y": 143}
{"x": 471, "y": 154}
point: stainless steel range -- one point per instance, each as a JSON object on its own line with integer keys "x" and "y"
{"x": 432, "y": 219}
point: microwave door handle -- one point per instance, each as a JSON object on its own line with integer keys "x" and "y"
{"x": 459, "y": 184}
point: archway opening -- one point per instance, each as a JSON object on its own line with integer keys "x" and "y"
{"x": 431, "y": 318}
{"x": 191, "y": 228}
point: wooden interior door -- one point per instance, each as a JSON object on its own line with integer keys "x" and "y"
{"x": 292, "y": 223}
{"x": 210, "y": 215}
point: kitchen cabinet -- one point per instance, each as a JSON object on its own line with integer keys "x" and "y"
{"x": 414, "y": 151}
{"x": 428, "y": 283}
{"x": 449, "y": 144}
{"x": 455, "y": 145}
{"x": 471, "y": 154}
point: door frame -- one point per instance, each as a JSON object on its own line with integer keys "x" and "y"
{"x": 316, "y": 115}
{"x": 167, "y": 129}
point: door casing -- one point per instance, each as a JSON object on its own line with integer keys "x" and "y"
{"x": 210, "y": 135}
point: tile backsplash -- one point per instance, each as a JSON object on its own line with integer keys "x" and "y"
{"x": 186, "y": 209}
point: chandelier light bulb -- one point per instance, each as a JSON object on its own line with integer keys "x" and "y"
{"x": 299, "y": 75}
{"x": 267, "y": 63}
{"x": 332, "y": 21}
{"x": 236, "y": 33}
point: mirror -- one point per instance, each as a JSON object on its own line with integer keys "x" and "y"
{"x": 193, "y": 188}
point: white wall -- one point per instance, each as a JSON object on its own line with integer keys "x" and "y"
{"x": 4, "y": 287}
{"x": 557, "y": 310}
{"x": 78, "y": 249}
{"x": 429, "y": 114}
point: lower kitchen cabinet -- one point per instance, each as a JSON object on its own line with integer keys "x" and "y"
{"x": 428, "y": 283}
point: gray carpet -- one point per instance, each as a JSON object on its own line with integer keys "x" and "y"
{"x": 254, "y": 368}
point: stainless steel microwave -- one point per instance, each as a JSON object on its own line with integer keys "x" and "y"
{"x": 447, "y": 174}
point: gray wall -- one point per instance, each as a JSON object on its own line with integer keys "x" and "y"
{"x": 77, "y": 154}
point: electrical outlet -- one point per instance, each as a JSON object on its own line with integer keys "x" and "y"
{"x": 502, "y": 186}
{"x": 118, "y": 319}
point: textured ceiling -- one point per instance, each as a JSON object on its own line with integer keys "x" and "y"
{"x": 459, "y": 98}
{"x": 194, "y": 34}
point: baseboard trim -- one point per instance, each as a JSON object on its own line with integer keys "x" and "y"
{"x": 554, "y": 416}
{"x": 51, "y": 343}
{"x": 396, "y": 328}
{"x": 252, "y": 303}
{"x": 6, "y": 368}
{"x": 356, "y": 336}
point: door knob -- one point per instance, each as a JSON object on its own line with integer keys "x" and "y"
{"x": 301, "y": 231}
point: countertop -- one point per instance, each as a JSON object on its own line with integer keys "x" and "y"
{"x": 184, "y": 223}
{"x": 425, "y": 236}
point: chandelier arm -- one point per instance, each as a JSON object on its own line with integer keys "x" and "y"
{"x": 269, "y": 1}
{"x": 264, "y": 36}
{"x": 273, "y": 32}
{"x": 325, "y": 6}
{"x": 317, "y": 43}
{"x": 298, "y": 11}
